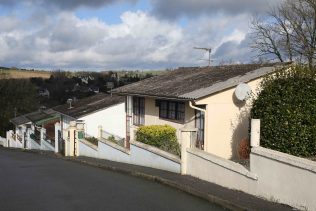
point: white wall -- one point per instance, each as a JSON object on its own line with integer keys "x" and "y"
{"x": 46, "y": 146}
{"x": 273, "y": 175}
{"x": 111, "y": 151}
{"x": 284, "y": 178}
{"x": 2, "y": 141}
{"x": 112, "y": 120}
{"x": 145, "y": 155}
{"x": 140, "y": 154}
{"x": 87, "y": 149}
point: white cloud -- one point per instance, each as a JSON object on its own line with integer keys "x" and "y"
{"x": 140, "y": 40}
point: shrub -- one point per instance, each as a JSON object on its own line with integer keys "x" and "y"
{"x": 160, "y": 136}
{"x": 287, "y": 109}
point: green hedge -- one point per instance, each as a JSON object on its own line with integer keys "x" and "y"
{"x": 160, "y": 136}
{"x": 287, "y": 109}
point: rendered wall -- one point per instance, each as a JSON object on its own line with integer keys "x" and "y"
{"x": 112, "y": 120}
{"x": 110, "y": 151}
{"x": 226, "y": 122}
{"x": 284, "y": 178}
{"x": 273, "y": 175}
{"x": 87, "y": 149}
{"x": 145, "y": 155}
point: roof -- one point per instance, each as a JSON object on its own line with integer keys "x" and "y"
{"x": 89, "y": 105}
{"x": 195, "y": 82}
{"x": 37, "y": 117}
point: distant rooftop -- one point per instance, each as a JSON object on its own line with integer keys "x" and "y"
{"x": 89, "y": 105}
{"x": 195, "y": 82}
{"x": 36, "y": 117}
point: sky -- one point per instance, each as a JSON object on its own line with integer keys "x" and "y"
{"x": 126, "y": 34}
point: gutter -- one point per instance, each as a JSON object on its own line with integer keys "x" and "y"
{"x": 197, "y": 108}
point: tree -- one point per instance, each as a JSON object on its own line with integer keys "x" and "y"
{"x": 288, "y": 32}
{"x": 17, "y": 97}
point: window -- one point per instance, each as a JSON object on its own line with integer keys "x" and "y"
{"x": 138, "y": 110}
{"x": 199, "y": 124}
{"x": 171, "y": 110}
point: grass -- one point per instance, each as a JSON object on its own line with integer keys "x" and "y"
{"x": 23, "y": 74}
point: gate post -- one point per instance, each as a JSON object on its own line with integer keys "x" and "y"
{"x": 187, "y": 136}
{"x": 57, "y": 129}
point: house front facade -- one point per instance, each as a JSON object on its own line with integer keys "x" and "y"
{"x": 100, "y": 112}
{"x": 203, "y": 98}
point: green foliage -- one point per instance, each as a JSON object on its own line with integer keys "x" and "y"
{"x": 92, "y": 140}
{"x": 16, "y": 96}
{"x": 160, "y": 136}
{"x": 287, "y": 109}
{"x": 112, "y": 139}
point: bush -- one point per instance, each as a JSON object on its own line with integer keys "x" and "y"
{"x": 287, "y": 109}
{"x": 160, "y": 136}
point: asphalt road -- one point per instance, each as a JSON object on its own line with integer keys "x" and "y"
{"x": 31, "y": 181}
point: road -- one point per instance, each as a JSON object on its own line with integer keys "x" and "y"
{"x": 30, "y": 181}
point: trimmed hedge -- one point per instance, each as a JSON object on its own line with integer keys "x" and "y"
{"x": 160, "y": 136}
{"x": 287, "y": 109}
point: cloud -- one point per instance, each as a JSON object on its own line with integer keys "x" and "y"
{"x": 139, "y": 41}
{"x": 192, "y": 8}
{"x": 67, "y": 5}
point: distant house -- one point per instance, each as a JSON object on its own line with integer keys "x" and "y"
{"x": 98, "y": 110}
{"x": 197, "y": 97}
{"x": 43, "y": 92}
{"x": 38, "y": 126}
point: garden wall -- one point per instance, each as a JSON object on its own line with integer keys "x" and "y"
{"x": 273, "y": 175}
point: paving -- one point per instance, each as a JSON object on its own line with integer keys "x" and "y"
{"x": 224, "y": 197}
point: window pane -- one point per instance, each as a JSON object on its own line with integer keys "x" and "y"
{"x": 172, "y": 110}
{"x": 163, "y": 111}
{"x": 181, "y": 111}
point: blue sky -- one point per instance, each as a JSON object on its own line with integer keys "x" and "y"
{"x": 125, "y": 34}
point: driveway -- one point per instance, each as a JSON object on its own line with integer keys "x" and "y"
{"x": 30, "y": 181}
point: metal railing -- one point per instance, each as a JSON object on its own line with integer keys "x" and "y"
{"x": 113, "y": 138}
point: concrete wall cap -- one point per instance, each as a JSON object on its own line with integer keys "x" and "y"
{"x": 230, "y": 165}
{"x": 157, "y": 151}
{"x": 285, "y": 158}
{"x": 85, "y": 142}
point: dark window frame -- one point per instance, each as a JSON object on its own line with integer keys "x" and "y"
{"x": 172, "y": 110}
{"x": 138, "y": 111}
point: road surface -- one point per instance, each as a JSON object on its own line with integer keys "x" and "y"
{"x": 30, "y": 181}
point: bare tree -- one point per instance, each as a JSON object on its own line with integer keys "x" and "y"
{"x": 288, "y": 32}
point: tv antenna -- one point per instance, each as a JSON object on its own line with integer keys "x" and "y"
{"x": 209, "y": 50}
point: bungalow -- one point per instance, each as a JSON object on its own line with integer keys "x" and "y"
{"x": 210, "y": 99}
{"x": 33, "y": 128}
{"x": 98, "y": 110}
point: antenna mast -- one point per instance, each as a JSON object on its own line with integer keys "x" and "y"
{"x": 209, "y": 50}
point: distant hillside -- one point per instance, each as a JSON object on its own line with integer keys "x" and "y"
{"x": 7, "y": 73}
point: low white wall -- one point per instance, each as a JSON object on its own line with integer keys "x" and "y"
{"x": 218, "y": 170}
{"x": 139, "y": 154}
{"x": 145, "y": 155}
{"x": 110, "y": 151}
{"x": 87, "y": 149}
{"x": 273, "y": 175}
{"x": 284, "y": 178}
{"x": 33, "y": 145}
{"x": 2, "y": 141}
{"x": 47, "y": 146}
